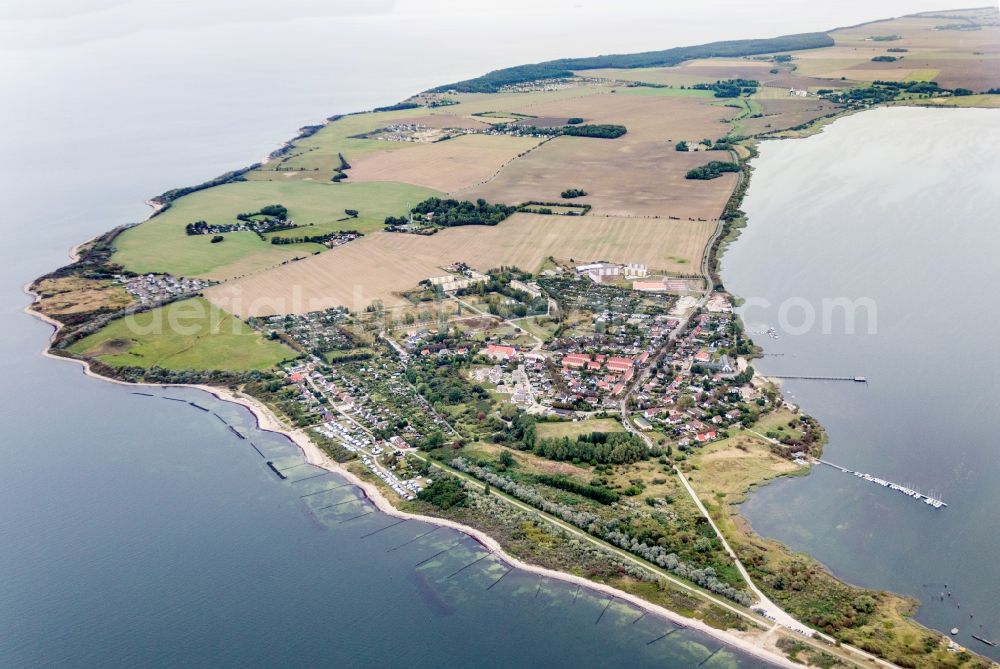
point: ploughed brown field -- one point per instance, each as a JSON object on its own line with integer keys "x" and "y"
{"x": 383, "y": 264}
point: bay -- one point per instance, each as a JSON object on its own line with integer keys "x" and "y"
{"x": 887, "y": 215}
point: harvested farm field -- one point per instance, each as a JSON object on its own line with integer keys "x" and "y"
{"x": 445, "y": 166}
{"x": 667, "y": 76}
{"x": 933, "y": 42}
{"x": 781, "y": 114}
{"x": 446, "y": 121}
{"x": 621, "y": 178}
{"x": 381, "y": 265}
{"x": 648, "y": 118}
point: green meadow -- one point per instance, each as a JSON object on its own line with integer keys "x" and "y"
{"x": 162, "y": 245}
{"x": 573, "y": 429}
{"x": 319, "y": 153}
{"x": 188, "y": 334}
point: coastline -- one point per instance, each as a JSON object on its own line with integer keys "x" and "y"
{"x": 266, "y": 421}
{"x": 760, "y": 646}
{"x": 741, "y": 641}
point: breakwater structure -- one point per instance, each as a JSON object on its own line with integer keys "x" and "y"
{"x": 909, "y": 492}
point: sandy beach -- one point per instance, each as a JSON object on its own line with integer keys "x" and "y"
{"x": 759, "y": 646}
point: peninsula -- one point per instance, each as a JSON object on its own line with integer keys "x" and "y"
{"x": 497, "y": 305}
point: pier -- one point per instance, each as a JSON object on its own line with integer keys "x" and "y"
{"x": 855, "y": 379}
{"x": 909, "y": 492}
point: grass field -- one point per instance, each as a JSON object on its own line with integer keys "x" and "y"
{"x": 573, "y": 429}
{"x": 381, "y": 265}
{"x": 966, "y": 101}
{"x": 922, "y": 75}
{"x": 161, "y": 245}
{"x": 727, "y": 469}
{"x": 542, "y": 327}
{"x": 317, "y": 156}
{"x": 190, "y": 334}
{"x": 74, "y": 295}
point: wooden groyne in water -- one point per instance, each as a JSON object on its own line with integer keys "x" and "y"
{"x": 909, "y": 492}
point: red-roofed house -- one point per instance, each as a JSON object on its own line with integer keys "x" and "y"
{"x": 649, "y": 285}
{"x": 576, "y": 360}
{"x": 619, "y": 364}
{"x": 295, "y": 378}
{"x": 500, "y": 352}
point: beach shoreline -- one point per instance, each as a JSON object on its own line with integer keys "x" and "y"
{"x": 313, "y": 454}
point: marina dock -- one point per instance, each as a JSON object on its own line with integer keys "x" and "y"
{"x": 909, "y": 492}
{"x": 855, "y": 379}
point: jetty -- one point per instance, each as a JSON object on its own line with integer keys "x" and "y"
{"x": 855, "y": 379}
{"x": 909, "y": 492}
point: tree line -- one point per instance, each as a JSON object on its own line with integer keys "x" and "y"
{"x": 712, "y": 170}
{"x": 563, "y": 68}
{"x": 605, "y": 448}
{"x": 450, "y": 212}
{"x": 729, "y": 88}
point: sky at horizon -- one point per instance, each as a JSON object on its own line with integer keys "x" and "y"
{"x": 628, "y": 25}
{"x": 114, "y": 89}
